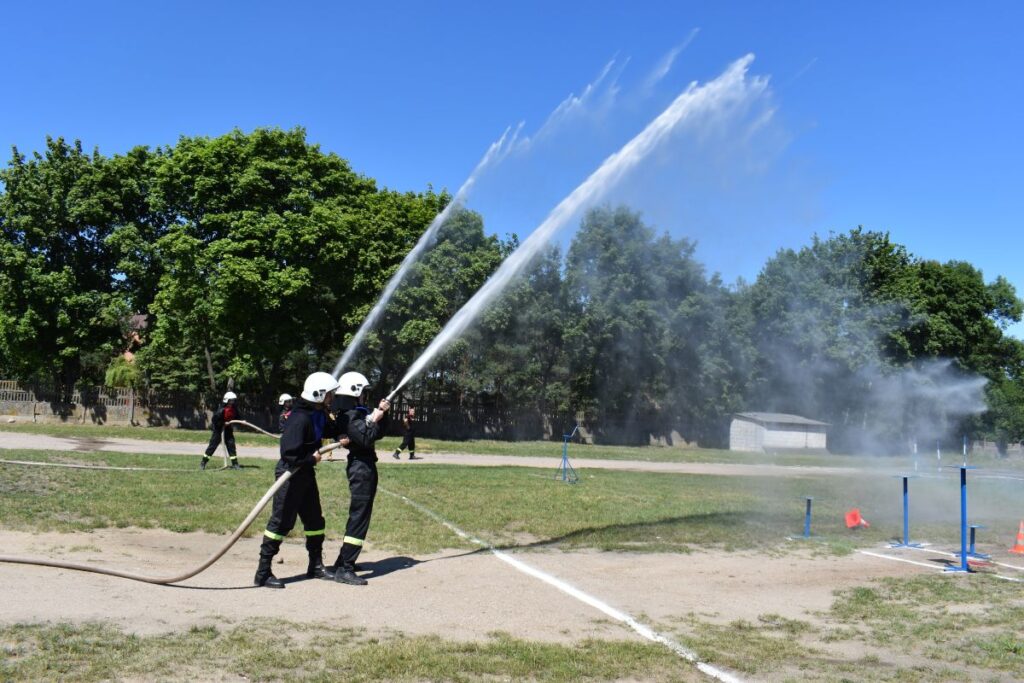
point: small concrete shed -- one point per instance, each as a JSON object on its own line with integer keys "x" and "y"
{"x": 761, "y": 432}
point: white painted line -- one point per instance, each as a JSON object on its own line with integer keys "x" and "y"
{"x": 930, "y": 566}
{"x": 1007, "y": 578}
{"x": 943, "y": 552}
{"x": 642, "y": 629}
{"x": 899, "y": 559}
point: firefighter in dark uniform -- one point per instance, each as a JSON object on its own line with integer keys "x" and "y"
{"x": 304, "y": 431}
{"x": 285, "y": 401}
{"x": 409, "y": 438}
{"x": 227, "y": 412}
{"x": 364, "y": 428}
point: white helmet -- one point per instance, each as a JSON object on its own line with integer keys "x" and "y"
{"x": 317, "y": 386}
{"x": 282, "y": 398}
{"x": 352, "y": 384}
{"x": 229, "y": 395}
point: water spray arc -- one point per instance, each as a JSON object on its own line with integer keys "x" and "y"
{"x": 729, "y": 90}
{"x": 494, "y": 154}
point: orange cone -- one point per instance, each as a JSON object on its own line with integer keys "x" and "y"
{"x": 854, "y": 520}
{"x": 1018, "y": 547}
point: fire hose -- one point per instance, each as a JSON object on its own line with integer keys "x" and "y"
{"x": 252, "y": 426}
{"x": 170, "y": 579}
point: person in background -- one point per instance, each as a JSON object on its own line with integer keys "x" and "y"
{"x": 285, "y": 401}
{"x": 409, "y": 436}
{"x": 226, "y": 413}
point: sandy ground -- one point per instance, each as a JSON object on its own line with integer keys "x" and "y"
{"x": 456, "y": 594}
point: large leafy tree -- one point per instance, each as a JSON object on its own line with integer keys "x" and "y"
{"x": 61, "y": 316}
{"x": 635, "y": 337}
{"x": 435, "y": 288}
{"x": 273, "y": 249}
{"x": 845, "y": 327}
{"x": 821, "y": 314}
{"x": 518, "y": 355}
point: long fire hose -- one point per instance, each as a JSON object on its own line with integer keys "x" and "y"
{"x": 181, "y": 577}
{"x": 252, "y": 426}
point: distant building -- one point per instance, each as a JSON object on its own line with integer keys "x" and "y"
{"x": 762, "y": 432}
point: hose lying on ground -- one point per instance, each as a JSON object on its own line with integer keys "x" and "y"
{"x": 170, "y": 579}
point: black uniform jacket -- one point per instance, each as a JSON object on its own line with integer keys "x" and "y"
{"x": 300, "y": 440}
{"x": 363, "y": 434}
{"x": 218, "y": 416}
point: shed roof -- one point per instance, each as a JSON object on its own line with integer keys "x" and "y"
{"x": 780, "y": 418}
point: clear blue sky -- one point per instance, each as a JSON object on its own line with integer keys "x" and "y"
{"x": 903, "y": 117}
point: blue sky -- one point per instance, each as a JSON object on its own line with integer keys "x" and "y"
{"x": 902, "y": 117}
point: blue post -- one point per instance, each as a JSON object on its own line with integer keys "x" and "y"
{"x": 906, "y": 520}
{"x": 971, "y": 552}
{"x": 963, "y": 522}
{"x": 807, "y": 519}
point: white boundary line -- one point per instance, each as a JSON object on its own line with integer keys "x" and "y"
{"x": 944, "y": 552}
{"x": 899, "y": 559}
{"x": 931, "y": 566}
{"x": 641, "y": 629}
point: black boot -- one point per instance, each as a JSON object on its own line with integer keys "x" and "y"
{"x": 348, "y": 576}
{"x": 396, "y": 455}
{"x": 265, "y": 577}
{"x": 202, "y": 463}
{"x": 316, "y": 569}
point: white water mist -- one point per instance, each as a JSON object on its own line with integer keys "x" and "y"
{"x": 726, "y": 93}
{"x": 494, "y": 153}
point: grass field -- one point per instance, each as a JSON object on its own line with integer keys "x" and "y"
{"x": 257, "y": 651}
{"x": 508, "y": 506}
{"x": 933, "y": 627}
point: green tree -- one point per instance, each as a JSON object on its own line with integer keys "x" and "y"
{"x": 518, "y": 356}
{"x": 273, "y": 250}
{"x": 635, "y": 337}
{"x": 60, "y": 314}
{"x": 436, "y": 287}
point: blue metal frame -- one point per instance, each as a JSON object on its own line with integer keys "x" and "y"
{"x": 566, "y": 472}
{"x": 971, "y": 552}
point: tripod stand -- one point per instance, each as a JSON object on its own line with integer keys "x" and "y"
{"x": 566, "y": 472}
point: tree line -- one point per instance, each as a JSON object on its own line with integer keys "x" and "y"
{"x": 253, "y": 258}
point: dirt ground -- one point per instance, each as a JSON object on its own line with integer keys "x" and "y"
{"x": 456, "y": 594}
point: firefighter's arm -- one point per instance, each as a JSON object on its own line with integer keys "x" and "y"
{"x": 378, "y": 413}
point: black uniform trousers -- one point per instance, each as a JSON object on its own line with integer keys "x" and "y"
{"x": 362, "y": 487}
{"x": 229, "y": 441}
{"x": 299, "y": 497}
{"x": 408, "y": 441}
